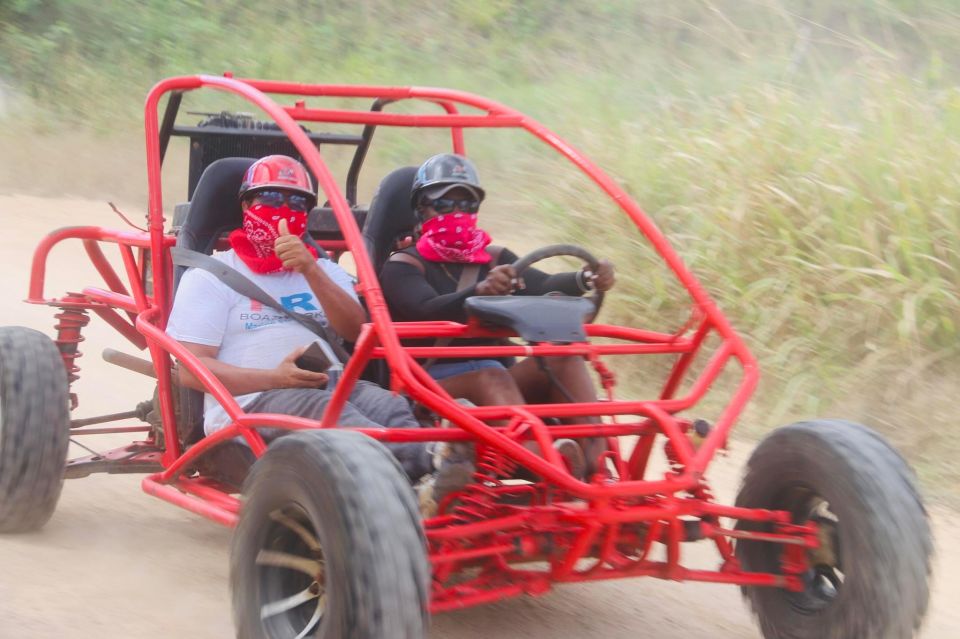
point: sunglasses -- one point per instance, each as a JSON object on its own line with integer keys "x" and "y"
{"x": 449, "y": 205}
{"x": 276, "y": 199}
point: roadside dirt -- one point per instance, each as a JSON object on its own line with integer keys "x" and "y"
{"x": 114, "y": 562}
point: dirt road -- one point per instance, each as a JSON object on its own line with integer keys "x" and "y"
{"x": 116, "y": 563}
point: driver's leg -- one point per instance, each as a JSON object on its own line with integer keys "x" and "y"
{"x": 492, "y": 386}
{"x": 572, "y": 374}
{"x": 570, "y": 371}
{"x": 496, "y": 386}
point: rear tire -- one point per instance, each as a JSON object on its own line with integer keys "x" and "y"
{"x": 329, "y": 527}
{"x": 34, "y": 428}
{"x": 870, "y": 577}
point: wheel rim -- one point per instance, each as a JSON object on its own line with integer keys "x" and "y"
{"x": 823, "y": 580}
{"x": 291, "y": 575}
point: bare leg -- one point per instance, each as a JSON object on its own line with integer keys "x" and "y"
{"x": 526, "y": 383}
{"x": 571, "y": 372}
{"x": 484, "y": 387}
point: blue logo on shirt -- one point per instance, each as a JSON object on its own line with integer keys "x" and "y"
{"x": 298, "y": 302}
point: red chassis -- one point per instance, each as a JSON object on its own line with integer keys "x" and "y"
{"x": 612, "y": 520}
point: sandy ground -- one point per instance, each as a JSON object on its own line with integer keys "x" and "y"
{"x": 114, "y": 562}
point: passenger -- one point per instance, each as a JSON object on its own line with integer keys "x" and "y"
{"x": 252, "y": 349}
{"x": 422, "y": 282}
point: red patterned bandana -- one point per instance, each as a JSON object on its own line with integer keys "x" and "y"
{"x": 453, "y": 237}
{"x": 255, "y": 240}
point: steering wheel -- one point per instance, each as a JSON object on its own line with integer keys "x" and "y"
{"x": 571, "y": 250}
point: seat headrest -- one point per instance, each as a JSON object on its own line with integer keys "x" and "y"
{"x": 390, "y": 215}
{"x": 215, "y": 207}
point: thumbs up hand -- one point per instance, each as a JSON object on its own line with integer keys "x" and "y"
{"x": 292, "y": 251}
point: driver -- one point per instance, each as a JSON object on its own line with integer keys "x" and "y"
{"x": 452, "y": 260}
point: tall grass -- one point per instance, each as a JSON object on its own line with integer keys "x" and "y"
{"x": 832, "y": 238}
{"x": 93, "y": 61}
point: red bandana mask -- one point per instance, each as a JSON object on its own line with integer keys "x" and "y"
{"x": 255, "y": 240}
{"x": 453, "y": 237}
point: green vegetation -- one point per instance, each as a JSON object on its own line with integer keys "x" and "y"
{"x": 95, "y": 60}
{"x": 803, "y": 156}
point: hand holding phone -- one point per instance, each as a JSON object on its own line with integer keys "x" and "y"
{"x": 313, "y": 359}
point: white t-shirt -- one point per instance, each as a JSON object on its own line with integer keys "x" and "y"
{"x": 249, "y": 335}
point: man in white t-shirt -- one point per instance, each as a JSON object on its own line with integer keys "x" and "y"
{"x": 251, "y": 348}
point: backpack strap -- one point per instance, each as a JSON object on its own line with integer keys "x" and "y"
{"x": 406, "y": 258}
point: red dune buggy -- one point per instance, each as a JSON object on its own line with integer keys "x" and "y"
{"x": 828, "y": 537}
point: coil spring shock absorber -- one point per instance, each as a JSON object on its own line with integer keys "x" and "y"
{"x": 70, "y": 321}
{"x": 479, "y": 498}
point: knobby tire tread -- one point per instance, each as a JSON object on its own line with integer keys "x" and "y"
{"x": 34, "y": 432}
{"x": 887, "y": 592}
{"x": 388, "y": 576}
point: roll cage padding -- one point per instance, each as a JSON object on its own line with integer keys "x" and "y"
{"x": 390, "y": 216}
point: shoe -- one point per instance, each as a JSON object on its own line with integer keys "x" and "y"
{"x": 424, "y": 491}
{"x": 454, "y": 469}
{"x": 455, "y": 466}
{"x": 573, "y": 455}
{"x": 569, "y": 450}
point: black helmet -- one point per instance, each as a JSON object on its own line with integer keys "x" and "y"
{"x": 444, "y": 172}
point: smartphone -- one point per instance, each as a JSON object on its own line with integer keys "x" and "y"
{"x": 313, "y": 359}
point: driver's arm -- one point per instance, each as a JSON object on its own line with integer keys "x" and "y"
{"x": 412, "y": 298}
{"x": 536, "y": 282}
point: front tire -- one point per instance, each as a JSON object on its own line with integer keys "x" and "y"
{"x": 870, "y": 576}
{"x": 34, "y": 428}
{"x": 329, "y": 544}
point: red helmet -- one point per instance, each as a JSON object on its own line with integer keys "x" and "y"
{"x": 277, "y": 172}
